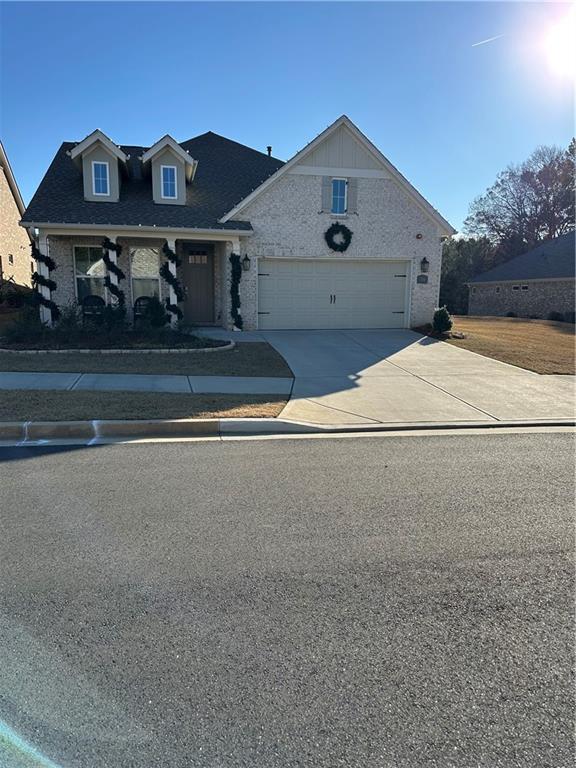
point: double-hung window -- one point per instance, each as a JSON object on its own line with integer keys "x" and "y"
{"x": 90, "y": 272}
{"x": 144, "y": 268}
{"x": 100, "y": 180}
{"x": 339, "y": 196}
{"x": 168, "y": 176}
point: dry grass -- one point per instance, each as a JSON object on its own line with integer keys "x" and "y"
{"x": 246, "y": 359}
{"x": 538, "y": 345}
{"x": 47, "y": 405}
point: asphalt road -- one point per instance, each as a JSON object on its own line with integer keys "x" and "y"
{"x": 368, "y": 603}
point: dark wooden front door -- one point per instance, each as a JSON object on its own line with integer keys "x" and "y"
{"x": 198, "y": 269}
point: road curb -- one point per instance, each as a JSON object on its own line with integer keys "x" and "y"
{"x": 106, "y": 430}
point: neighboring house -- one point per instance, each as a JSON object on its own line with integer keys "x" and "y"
{"x": 209, "y": 198}
{"x": 15, "y": 262}
{"x": 533, "y": 284}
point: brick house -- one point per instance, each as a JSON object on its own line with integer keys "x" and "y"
{"x": 334, "y": 238}
{"x": 15, "y": 264}
{"x": 533, "y": 284}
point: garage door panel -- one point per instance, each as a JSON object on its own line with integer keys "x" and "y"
{"x": 297, "y": 294}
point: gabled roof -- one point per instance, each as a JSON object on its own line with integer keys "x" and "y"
{"x": 170, "y": 143}
{"x": 5, "y": 164}
{"x": 227, "y": 171}
{"x": 92, "y": 138}
{"x": 551, "y": 259}
{"x": 410, "y": 190}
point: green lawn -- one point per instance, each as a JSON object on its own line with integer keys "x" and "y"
{"x": 246, "y": 359}
{"x": 49, "y": 405}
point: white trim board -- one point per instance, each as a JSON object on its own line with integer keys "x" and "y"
{"x": 338, "y": 173}
{"x": 92, "y": 138}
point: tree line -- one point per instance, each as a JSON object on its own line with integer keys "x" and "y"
{"x": 528, "y": 203}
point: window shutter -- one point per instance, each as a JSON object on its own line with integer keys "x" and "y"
{"x": 352, "y": 195}
{"x": 326, "y": 194}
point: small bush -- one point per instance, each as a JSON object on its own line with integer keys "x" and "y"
{"x": 26, "y": 327}
{"x": 114, "y": 318}
{"x": 442, "y": 322}
{"x": 511, "y": 314}
{"x": 570, "y": 317}
{"x": 558, "y": 317}
{"x": 534, "y": 317}
{"x": 156, "y": 315}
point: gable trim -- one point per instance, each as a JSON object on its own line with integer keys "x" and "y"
{"x": 345, "y": 121}
{"x": 170, "y": 143}
{"x": 11, "y": 179}
{"x": 92, "y": 138}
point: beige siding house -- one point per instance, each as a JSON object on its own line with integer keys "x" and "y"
{"x": 15, "y": 262}
{"x": 334, "y": 238}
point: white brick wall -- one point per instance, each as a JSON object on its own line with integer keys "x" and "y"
{"x": 287, "y": 223}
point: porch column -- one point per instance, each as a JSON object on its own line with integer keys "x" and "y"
{"x": 42, "y": 269}
{"x": 172, "y": 295}
{"x": 114, "y": 259}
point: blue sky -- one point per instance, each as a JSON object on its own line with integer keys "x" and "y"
{"x": 447, "y": 114}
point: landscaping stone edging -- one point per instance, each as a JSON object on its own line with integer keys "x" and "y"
{"x": 168, "y": 350}
{"x": 92, "y": 432}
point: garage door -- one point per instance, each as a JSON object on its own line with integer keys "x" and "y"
{"x": 331, "y": 294}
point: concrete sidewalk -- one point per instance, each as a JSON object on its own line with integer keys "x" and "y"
{"x": 136, "y": 382}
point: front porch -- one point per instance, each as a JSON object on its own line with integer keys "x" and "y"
{"x": 194, "y": 285}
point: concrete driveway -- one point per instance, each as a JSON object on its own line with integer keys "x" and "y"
{"x": 345, "y": 377}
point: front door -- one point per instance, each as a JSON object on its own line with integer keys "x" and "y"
{"x": 198, "y": 274}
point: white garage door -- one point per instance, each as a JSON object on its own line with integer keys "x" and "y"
{"x": 332, "y": 294}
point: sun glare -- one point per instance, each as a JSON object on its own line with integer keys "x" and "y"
{"x": 560, "y": 46}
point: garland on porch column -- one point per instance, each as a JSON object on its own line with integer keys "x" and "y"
{"x": 235, "y": 290}
{"x": 172, "y": 281}
{"x": 108, "y": 245}
{"x": 38, "y": 280}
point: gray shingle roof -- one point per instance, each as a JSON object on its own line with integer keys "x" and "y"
{"x": 551, "y": 259}
{"x": 227, "y": 172}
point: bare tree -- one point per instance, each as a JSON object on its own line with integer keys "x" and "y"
{"x": 528, "y": 203}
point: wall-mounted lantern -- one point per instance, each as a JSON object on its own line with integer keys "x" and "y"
{"x": 424, "y": 265}
{"x": 246, "y": 263}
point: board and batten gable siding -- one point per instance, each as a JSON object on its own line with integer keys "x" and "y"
{"x": 168, "y": 157}
{"x": 340, "y": 150}
{"x": 288, "y": 221}
{"x": 99, "y": 154}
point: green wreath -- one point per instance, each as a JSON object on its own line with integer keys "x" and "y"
{"x": 341, "y": 231}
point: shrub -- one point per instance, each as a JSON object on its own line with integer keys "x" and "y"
{"x": 114, "y": 318}
{"x": 26, "y": 327}
{"x": 569, "y": 317}
{"x": 156, "y": 314}
{"x": 442, "y": 321}
{"x": 556, "y": 316}
{"x": 511, "y": 314}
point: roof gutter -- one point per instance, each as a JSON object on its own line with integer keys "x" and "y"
{"x": 63, "y": 228}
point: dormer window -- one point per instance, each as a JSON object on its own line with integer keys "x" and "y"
{"x": 169, "y": 184}
{"x": 100, "y": 179}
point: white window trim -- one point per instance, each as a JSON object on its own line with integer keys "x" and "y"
{"x": 339, "y": 178}
{"x": 100, "y": 162}
{"x": 175, "y": 195}
{"x": 83, "y": 277}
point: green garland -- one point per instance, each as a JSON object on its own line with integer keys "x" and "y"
{"x": 235, "y": 290}
{"x": 170, "y": 255}
{"x": 108, "y": 245}
{"x": 113, "y": 268}
{"x": 37, "y": 256}
{"x": 172, "y": 280}
{"x": 38, "y": 279}
{"x": 115, "y": 291}
{"x": 38, "y": 298}
{"x": 174, "y": 309}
